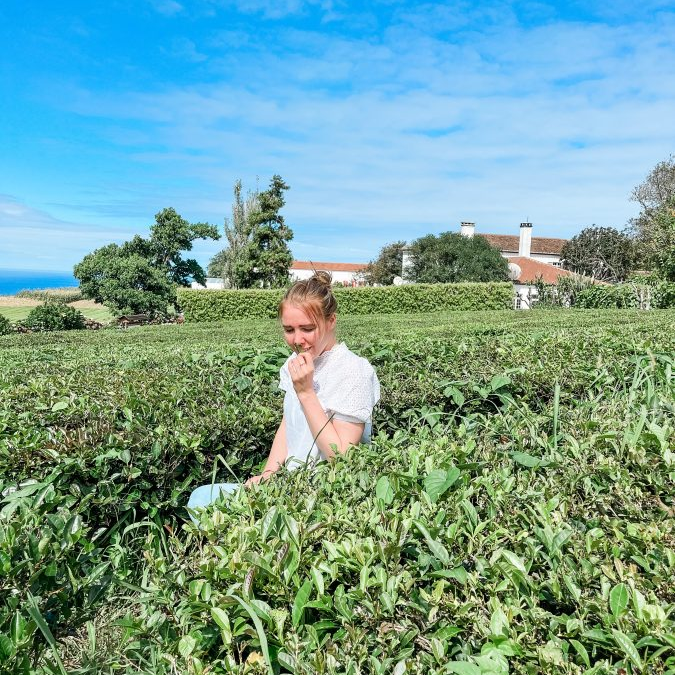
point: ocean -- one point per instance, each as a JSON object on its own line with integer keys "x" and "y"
{"x": 13, "y": 281}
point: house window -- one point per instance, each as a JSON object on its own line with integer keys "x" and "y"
{"x": 518, "y": 304}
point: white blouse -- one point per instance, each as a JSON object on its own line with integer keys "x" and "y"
{"x": 347, "y": 388}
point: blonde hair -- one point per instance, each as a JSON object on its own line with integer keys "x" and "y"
{"x": 313, "y": 295}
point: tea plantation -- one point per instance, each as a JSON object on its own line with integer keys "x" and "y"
{"x": 515, "y": 512}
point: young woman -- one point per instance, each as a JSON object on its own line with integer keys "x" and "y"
{"x": 330, "y": 392}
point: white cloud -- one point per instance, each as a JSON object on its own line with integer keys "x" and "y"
{"x": 167, "y": 7}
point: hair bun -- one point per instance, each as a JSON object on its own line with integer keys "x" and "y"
{"x": 323, "y": 278}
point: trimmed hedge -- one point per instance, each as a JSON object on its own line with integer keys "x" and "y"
{"x": 209, "y": 305}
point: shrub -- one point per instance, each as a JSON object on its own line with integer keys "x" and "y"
{"x": 626, "y": 296}
{"x": 261, "y": 304}
{"x": 54, "y": 316}
{"x": 5, "y": 325}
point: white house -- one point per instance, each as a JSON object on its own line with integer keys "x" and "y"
{"x": 212, "y": 283}
{"x": 343, "y": 273}
{"x": 529, "y": 258}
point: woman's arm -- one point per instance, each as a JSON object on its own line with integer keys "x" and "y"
{"x": 277, "y": 457}
{"x": 330, "y": 434}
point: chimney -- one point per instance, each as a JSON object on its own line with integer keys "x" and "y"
{"x": 525, "y": 240}
{"x": 406, "y": 263}
{"x": 467, "y": 229}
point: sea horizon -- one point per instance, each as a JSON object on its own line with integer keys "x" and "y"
{"x": 13, "y": 281}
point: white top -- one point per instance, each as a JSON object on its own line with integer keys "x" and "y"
{"x": 347, "y": 388}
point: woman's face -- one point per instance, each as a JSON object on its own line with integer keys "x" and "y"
{"x": 302, "y": 333}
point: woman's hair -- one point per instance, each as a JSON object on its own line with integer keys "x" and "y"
{"x": 313, "y": 295}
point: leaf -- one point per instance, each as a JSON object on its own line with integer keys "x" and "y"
{"x": 262, "y": 638}
{"x": 268, "y": 522}
{"x": 457, "y": 573}
{"x": 300, "y": 601}
{"x": 499, "y": 381}
{"x": 529, "y": 461}
{"x": 581, "y": 650}
{"x": 37, "y": 617}
{"x": 627, "y": 647}
{"x": 60, "y": 405}
{"x": 439, "y": 481}
{"x": 221, "y": 618}
{"x": 383, "y": 490}
{"x": 514, "y": 560}
{"x": 618, "y": 599}
{"x": 499, "y": 623}
{"x": 186, "y": 645}
{"x": 462, "y": 668}
{"x": 434, "y": 546}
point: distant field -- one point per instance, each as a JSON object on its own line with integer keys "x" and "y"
{"x": 16, "y": 309}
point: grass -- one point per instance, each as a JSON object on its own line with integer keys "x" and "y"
{"x": 19, "y": 310}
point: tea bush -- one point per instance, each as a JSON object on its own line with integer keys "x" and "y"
{"x": 229, "y": 305}
{"x": 404, "y": 557}
{"x": 54, "y": 315}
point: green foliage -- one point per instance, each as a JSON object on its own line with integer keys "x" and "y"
{"x": 387, "y": 265}
{"x": 260, "y": 304}
{"x": 514, "y": 511}
{"x": 54, "y": 316}
{"x": 564, "y": 293}
{"x": 628, "y": 295}
{"x": 232, "y": 264}
{"x": 664, "y": 254}
{"x": 652, "y": 229}
{"x": 141, "y": 275}
{"x": 62, "y": 294}
{"x": 265, "y": 258}
{"x": 5, "y": 325}
{"x": 602, "y": 253}
{"x": 452, "y": 258}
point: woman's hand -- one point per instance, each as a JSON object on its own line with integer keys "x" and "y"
{"x": 301, "y": 369}
{"x": 254, "y": 480}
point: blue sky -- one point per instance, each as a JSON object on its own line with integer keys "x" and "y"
{"x": 389, "y": 120}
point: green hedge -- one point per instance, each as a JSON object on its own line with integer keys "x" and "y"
{"x": 627, "y": 296}
{"x": 208, "y": 305}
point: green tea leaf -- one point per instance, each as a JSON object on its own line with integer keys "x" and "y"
{"x": 300, "y": 601}
{"x": 627, "y": 647}
{"x": 186, "y": 645}
{"x": 618, "y": 599}
{"x": 383, "y": 490}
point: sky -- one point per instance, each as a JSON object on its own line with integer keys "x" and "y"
{"x": 389, "y": 119}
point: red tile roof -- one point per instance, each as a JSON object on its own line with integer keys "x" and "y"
{"x": 328, "y": 266}
{"x": 509, "y": 243}
{"x": 531, "y": 270}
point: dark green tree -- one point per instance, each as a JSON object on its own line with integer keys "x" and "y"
{"x": 387, "y": 265}
{"x": 266, "y": 257}
{"x": 601, "y": 253}
{"x": 141, "y": 275}
{"x": 664, "y": 234}
{"x": 451, "y": 257}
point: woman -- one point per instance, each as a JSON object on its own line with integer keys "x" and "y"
{"x": 330, "y": 392}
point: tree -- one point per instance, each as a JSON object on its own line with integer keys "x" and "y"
{"x": 664, "y": 240}
{"x": 601, "y": 253}
{"x": 266, "y": 258}
{"x": 451, "y": 257}
{"x": 387, "y": 265}
{"x": 228, "y": 262}
{"x": 655, "y": 195}
{"x": 141, "y": 275}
